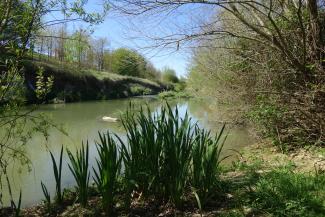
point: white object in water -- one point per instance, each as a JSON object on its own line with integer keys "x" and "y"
{"x": 109, "y": 119}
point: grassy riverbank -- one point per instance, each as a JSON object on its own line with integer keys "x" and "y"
{"x": 173, "y": 168}
{"x": 262, "y": 182}
{"x": 74, "y": 84}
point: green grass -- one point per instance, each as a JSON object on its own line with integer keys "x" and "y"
{"x": 285, "y": 193}
{"x": 73, "y": 70}
{"x": 72, "y": 84}
{"x": 277, "y": 191}
{"x": 17, "y": 207}
{"x": 47, "y": 197}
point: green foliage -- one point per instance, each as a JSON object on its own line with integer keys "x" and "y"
{"x": 180, "y": 86}
{"x": 43, "y": 85}
{"x": 142, "y": 147}
{"x": 57, "y": 175}
{"x": 285, "y": 193}
{"x": 139, "y": 90}
{"x": 257, "y": 77}
{"x": 206, "y": 159}
{"x": 19, "y": 22}
{"x": 47, "y": 197}
{"x": 269, "y": 115}
{"x": 169, "y": 76}
{"x": 127, "y": 62}
{"x": 108, "y": 167}
{"x": 159, "y": 154}
{"x": 17, "y": 207}
{"x": 79, "y": 168}
{"x": 173, "y": 95}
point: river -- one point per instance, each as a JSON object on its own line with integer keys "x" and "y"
{"x": 82, "y": 121}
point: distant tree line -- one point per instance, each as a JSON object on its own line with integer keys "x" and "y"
{"x": 84, "y": 50}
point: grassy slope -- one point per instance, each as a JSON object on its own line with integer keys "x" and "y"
{"x": 74, "y": 84}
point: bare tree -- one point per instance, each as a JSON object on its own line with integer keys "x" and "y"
{"x": 283, "y": 38}
{"x": 259, "y": 17}
{"x": 99, "y": 48}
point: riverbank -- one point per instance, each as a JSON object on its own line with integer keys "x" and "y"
{"x": 72, "y": 84}
{"x": 261, "y": 182}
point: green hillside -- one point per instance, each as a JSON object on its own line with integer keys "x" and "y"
{"x": 77, "y": 84}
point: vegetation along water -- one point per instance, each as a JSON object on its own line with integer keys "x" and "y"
{"x": 162, "y": 108}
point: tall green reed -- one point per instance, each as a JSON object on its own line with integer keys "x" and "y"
{"x": 158, "y": 155}
{"x": 141, "y": 154}
{"x": 206, "y": 158}
{"x": 108, "y": 169}
{"x": 79, "y": 168}
{"x": 17, "y": 207}
{"x": 47, "y": 197}
{"x": 57, "y": 175}
{"x": 177, "y": 136}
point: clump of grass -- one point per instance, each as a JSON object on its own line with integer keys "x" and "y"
{"x": 79, "y": 167}
{"x": 164, "y": 156}
{"x": 142, "y": 147}
{"x": 206, "y": 158}
{"x": 108, "y": 164}
{"x": 177, "y": 139}
{"x": 173, "y": 95}
{"x": 159, "y": 153}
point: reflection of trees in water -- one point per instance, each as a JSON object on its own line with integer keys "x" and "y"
{"x": 215, "y": 114}
{"x": 212, "y": 117}
{"x": 206, "y": 113}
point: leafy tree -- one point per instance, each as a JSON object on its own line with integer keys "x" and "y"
{"x": 126, "y": 62}
{"x": 19, "y": 25}
{"x": 169, "y": 76}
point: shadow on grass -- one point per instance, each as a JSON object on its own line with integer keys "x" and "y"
{"x": 279, "y": 192}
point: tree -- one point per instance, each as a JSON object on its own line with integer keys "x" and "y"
{"x": 126, "y": 62}
{"x": 20, "y": 21}
{"x": 278, "y": 48}
{"x": 169, "y": 76}
{"x": 99, "y": 47}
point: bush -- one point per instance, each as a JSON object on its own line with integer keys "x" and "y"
{"x": 173, "y": 95}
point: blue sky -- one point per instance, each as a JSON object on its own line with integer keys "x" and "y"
{"x": 137, "y": 33}
{"x": 117, "y": 31}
